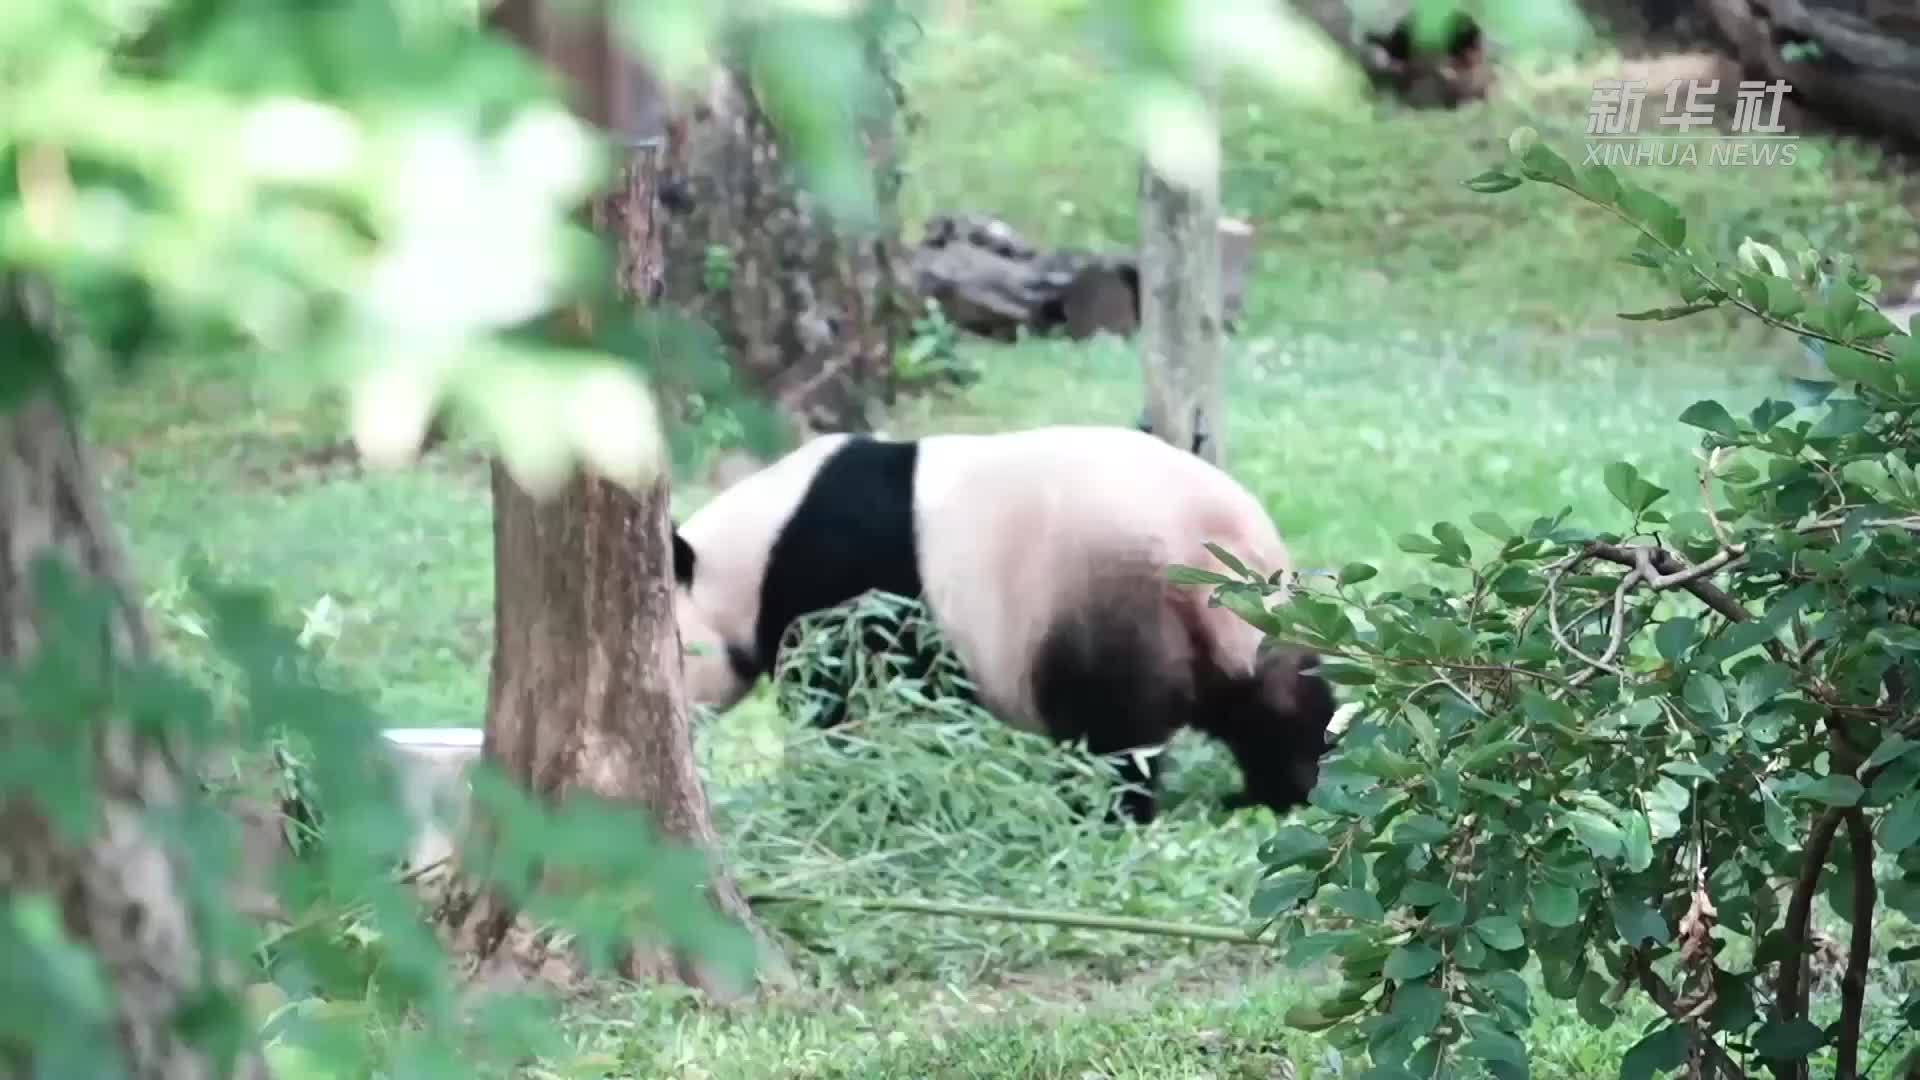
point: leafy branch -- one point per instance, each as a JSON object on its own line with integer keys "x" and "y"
{"x": 1672, "y": 721}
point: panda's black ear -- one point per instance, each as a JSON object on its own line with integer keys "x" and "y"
{"x": 682, "y": 560}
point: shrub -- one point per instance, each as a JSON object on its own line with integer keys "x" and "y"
{"x": 1636, "y": 756}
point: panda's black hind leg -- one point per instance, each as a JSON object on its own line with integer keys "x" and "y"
{"x": 1096, "y": 677}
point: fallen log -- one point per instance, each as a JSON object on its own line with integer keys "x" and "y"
{"x": 1855, "y": 63}
{"x": 991, "y": 282}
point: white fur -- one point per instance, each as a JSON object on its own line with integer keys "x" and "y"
{"x": 732, "y": 536}
{"x": 1013, "y": 527}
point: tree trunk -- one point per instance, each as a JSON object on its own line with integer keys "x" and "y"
{"x": 1180, "y": 313}
{"x": 808, "y": 311}
{"x": 585, "y": 692}
{"x": 118, "y": 889}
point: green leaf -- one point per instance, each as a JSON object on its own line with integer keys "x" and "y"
{"x": 1664, "y": 802}
{"x": 1788, "y": 1040}
{"x": 1305, "y": 1017}
{"x": 1657, "y": 1053}
{"x": 1188, "y": 575}
{"x": 1228, "y": 560}
{"x": 1836, "y": 314}
{"x": 1760, "y": 685}
{"x": 1501, "y": 932}
{"x": 1415, "y": 544}
{"x": 1844, "y": 416}
{"x": 1601, "y": 836}
{"x": 1783, "y": 300}
{"x": 1493, "y": 525}
{"x": 1600, "y": 185}
{"x": 1420, "y": 829}
{"x": 1870, "y": 325}
{"x": 1295, "y": 845}
{"x": 1626, "y": 484}
{"x": 1493, "y": 182}
{"x": 1891, "y": 748}
{"x": 1356, "y": 904}
{"x": 1703, "y": 693}
{"x": 1779, "y": 825}
{"x": 1855, "y": 366}
{"x": 1417, "y": 1008}
{"x": 1674, "y": 637}
{"x": 1541, "y": 163}
{"x": 1665, "y": 314}
{"x": 1906, "y": 359}
{"x": 1453, "y": 540}
{"x": 1637, "y": 922}
{"x": 1590, "y": 1001}
{"x": 1497, "y": 1046}
{"x": 1355, "y": 573}
{"x": 1659, "y": 216}
{"x": 1711, "y": 416}
{"x": 1278, "y": 895}
{"x": 1637, "y": 842}
{"x": 1411, "y": 962}
{"x": 1834, "y": 791}
{"x": 1900, "y": 828}
{"x": 1556, "y": 905}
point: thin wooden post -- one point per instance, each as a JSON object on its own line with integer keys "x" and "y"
{"x": 1180, "y": 311}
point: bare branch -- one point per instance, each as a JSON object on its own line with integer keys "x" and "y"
{"x": 1789, "y": 996}
{"x": 1559, "y": 636}
{"x": 1674, "y": 572}
{"x": 1853, "y": 984}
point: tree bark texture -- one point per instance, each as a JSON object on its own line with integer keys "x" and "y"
{"x": 120, "y": 890}
{"x": 1854, "y": 62}
{"x": 1180, "y": 311}
{"x": 585, "y": 691}
{"x": 809, "y": 310}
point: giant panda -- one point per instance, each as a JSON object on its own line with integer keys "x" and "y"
{"x": 1041, "y": 555}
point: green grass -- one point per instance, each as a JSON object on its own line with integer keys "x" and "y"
{"x": 1412, "y": 353}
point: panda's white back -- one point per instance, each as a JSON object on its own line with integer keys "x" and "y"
{"x": 734, "y": 532}
{"x": 1012, "y": 527}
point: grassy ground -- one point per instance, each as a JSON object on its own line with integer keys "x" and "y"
{"x": 1412, "y": 352}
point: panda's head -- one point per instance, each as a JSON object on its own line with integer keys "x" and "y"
{"x": 1278, "y": 725}
{"x": 718, "y": 674}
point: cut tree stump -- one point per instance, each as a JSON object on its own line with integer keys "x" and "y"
{"x": 991, "y": 282}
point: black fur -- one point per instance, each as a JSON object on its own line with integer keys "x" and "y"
{"x": 683, "y": 560}
{"x": 1275, "y": 723}
{"x": 851, "y": 532}
{"x": 1099, "y": 675}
